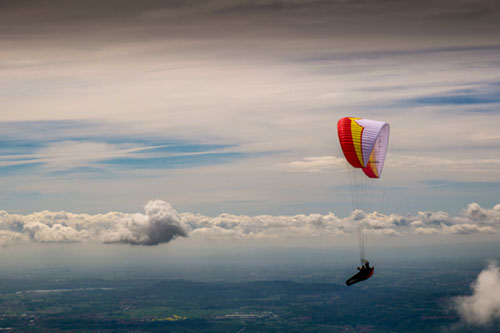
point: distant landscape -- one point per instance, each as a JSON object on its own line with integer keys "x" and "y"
{"x": 410, "y": 296}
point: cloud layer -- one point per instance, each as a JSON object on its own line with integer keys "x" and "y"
{"x": 483, "y": 306}
{"x": 161, "y": 224}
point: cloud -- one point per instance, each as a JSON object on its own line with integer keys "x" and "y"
{"x": 476, "y": 213}
{"x": 266, "y": 226}
{"x": 402, "y": 162}
{"x": 70, "y": 154}
{"x": 57, "y": 233}
{"x": 160, "y": 223}
{"x": 315, "y": 225}
{"x": 474, "y": 219}
{"x": 433, "y": 218}
{"x": 9, "y": 237}
{"x": 189, "y": 18}
{"x": 314, "y": 164}
{"x": 483, "y": 306}
{"x": 97, "y": 154}
{"x": 465, "y": 228}
{"x": 426, "y": 231}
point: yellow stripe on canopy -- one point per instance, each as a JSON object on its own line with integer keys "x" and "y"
{"x": 356, "y": 130}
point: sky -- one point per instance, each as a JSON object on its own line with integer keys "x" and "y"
{"x": 143, "y": 122}
{"x": 149, "y": 128}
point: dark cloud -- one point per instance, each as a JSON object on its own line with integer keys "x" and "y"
{"x": 129, "y": 19}
{"x": 161, "y": 224}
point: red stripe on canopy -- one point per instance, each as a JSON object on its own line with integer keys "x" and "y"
{"x": 345, "y": 138}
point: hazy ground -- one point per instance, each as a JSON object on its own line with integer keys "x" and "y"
{"x": 261, "y": 290}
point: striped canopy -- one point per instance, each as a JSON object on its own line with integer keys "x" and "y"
{"x": 364, "y": 143}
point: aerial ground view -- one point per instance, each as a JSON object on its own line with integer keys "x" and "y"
{"x": 250, "y": 166}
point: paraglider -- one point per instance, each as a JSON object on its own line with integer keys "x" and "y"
{"x": 365, "y": 272}
{"x": 364, "y": 144}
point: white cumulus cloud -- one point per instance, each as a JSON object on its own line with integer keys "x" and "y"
{"x": 483, "y": 306}
{"x": 160, "y": 223}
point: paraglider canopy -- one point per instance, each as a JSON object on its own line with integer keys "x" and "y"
{"x": 364, "y": 143}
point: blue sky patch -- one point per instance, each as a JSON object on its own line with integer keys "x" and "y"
{"x": 177, "y": 161}
{"x": 8, "y": 170}
{"x": 456, "y": 100}
{"x": 25, "y": 145}
{"x": 485, "y": 93}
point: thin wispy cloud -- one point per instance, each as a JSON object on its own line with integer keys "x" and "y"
{"x": 63, "y": 152}
{"x": 475, "y": 94}
{"x": 257, "y": 87}
{"x": 314, "y": 164}
{"x": 400, "y": 162}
